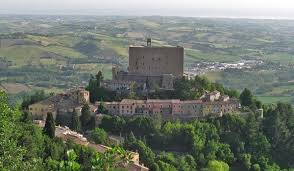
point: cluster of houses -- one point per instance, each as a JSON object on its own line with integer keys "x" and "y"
{"x": 149, "y": 67}
{"x": 66, "y": 134}
{"x": 62, "y": 103}
{"x": 198, "y": 68}
{"x": 210, "y": 104}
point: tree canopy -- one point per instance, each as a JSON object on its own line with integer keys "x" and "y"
{"x": 49, "y": 128}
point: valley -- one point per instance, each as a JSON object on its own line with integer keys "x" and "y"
{"x": 55, "y": 53}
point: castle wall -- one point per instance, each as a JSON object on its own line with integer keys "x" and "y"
{"x": 156, "y": 61}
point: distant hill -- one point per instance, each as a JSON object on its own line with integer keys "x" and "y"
{"x": 61, "y": 51}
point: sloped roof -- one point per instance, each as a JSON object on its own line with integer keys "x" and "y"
{"x": 163, "y": 101}
{"x": 127, "y": 101}
{"x": 61, "y": 101}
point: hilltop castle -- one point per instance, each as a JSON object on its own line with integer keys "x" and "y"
{"x": 149, "y": 66}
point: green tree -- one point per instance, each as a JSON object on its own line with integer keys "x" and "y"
{"x": 99, "y": 136}
{"x": 37, "y": 96}
{"x": 113, "y": 124}
{"x": 256, "y": 167}
{"x": 97, "y": 91}
{"x": 146, "y": 154}
{"x": 215, "y": 165}
{"x": 85, "y": 117}
{"x": 49, "y": 128}
{"x": 111, "y": 159}
{"x": 53, "y": 149}
{"x": 26, "y": 117}
{"x": 246, "y": 160}
{"x": 246, "y": 97}
{"x": 75, "y": 122}
{"x": 85, "y": 155}
{"x": 141, "y": 126}
{"x": 186, "y": 163}
{"x": 168, "y": 158}
{"x": 70, "y": 164}
{"x": 101, "y": 108}
{"x": 33, "y": 140}
{"x": 157, "y": 121}
{"x": 99, "y": 79}
{"x": 12, "y": 154}
{"x": 166, "y": 166}
{"x": 277, "y": 126}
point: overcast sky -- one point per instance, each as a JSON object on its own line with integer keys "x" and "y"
{"x": 230, "y": 8}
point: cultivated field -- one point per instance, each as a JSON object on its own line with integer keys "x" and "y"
{"x": 62, "y": 51}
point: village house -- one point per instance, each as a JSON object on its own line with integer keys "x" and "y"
{"x": 66, "y": 102}
{"x": 211, "y": 96}
{"x": 210, "y": 104}
{"x": 66, "y": 134}
{"x": 191, "y": 107}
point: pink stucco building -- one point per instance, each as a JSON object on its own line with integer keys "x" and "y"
{"x": 210, "y": 104}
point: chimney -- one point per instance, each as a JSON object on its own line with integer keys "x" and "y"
{"x": 149, "y": 42}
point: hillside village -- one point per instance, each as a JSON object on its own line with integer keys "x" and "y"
{"x": 98, "y": 106}
{"x": 149, "y": 72}
{"x": 149, "y": 67}
{"x": 211, "y": 104}
{"x": 68, "y": 135}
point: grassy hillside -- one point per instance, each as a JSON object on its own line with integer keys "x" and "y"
{"x": 64, "y": 50}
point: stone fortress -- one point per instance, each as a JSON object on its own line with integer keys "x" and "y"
{"x": 149, "y": 66}
{"x": 156, "y": 61}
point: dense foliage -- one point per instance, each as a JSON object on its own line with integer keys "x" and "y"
{"x": 87, "y": 119}
{"x": 184, "y": 89}
{"x": 75, "y": 122}
{"x": 49, "y": 128}
{"x": 246, "y": 142}
{"x": 25, "y": 147}
{"x": 97, "y": 92}
{"x": 240, "y": 142}
{"x": 35, "y": 97}
{"x": 99, "y": 136}
{"x": 249, "y": 141}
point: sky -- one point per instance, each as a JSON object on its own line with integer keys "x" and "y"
{"x": 193, "y": 8}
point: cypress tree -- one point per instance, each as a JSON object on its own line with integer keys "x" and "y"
{"x": 85, "y": 117}
{"x": 26, "y": 117}
{"x": 101, "y": 108}
{"x": 99, "y": 79}
{"x": 246, "y": 97}
{"x": 49, "y": 128}
{"x": 75, "y": 122}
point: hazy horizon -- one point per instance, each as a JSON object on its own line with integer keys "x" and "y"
{"x": 267, "y": 9}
